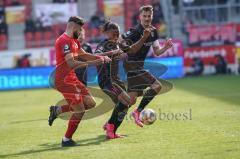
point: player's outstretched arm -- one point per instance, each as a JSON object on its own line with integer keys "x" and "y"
{"x": 158, "y": 50}
{"x": 93, "y": 59}
{"x": 87, "y": 56}
{"x": 72, "y": 63}
{"x": 110, "y": 53}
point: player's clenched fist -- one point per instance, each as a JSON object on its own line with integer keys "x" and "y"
{"x": 147, "y": 31}
{"x": 168, "y": 44}
{"x": 106, "y": 59}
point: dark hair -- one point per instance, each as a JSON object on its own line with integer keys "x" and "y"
{"x": 110, "y": 26}
{"x": 76, "y": 19}
{"x": 146, "y": 8}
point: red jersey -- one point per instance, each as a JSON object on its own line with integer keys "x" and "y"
{"x": 64, "y": 45}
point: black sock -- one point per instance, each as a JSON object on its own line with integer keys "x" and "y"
{"x": 118, "y": 115}
{"x": 147, "y": 98}
{"x": 116, "y": 111}
{"x": 121, "y": 116}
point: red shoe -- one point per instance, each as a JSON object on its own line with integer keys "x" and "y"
{"x": 136, "y": 115}
{"x": 109, "y": 131}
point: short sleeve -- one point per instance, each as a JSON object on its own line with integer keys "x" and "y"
{"x": 64, "y": 46}
{"x": 156, "y": 36}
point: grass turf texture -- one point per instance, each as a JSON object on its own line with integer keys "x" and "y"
{"x": 213, "y": 131}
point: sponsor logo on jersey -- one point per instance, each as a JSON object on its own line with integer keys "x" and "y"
{"x": 66, "y": 49}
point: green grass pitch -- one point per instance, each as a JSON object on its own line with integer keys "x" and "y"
{"x": 207, "y": 125}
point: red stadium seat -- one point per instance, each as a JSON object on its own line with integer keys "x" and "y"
{"x": 138, "y": 5}
{"x": 138, "y": 2}
{"x": 128, "y": 2}
{"x": 4, "y": 42}
{"x": 58, "y": 29}
{"x": 100, "y": 5}
{"x": 7, "y": 2}
{"x": 55, "y": 29}
{"x": 48, "y": 38}
{"x": 148, "y": 1}
{"x": 28, "y": 39}
{"x": 28, "y": 10}
{"x": 27, "y": 2}
{"x": 3, "y": 37}
{"x": 38, "y": 39}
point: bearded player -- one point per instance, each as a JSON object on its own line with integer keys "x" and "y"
{"x": 78, "y": 98}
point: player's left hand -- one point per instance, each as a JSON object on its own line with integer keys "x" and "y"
{"x": 106, "y": 59}
{"x": 168, "y": 44}
{"x": 117, "y": 52}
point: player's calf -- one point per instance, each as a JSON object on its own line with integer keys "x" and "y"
{"x": 149, "y": 95}
{"x": 156, "y": 86}
{"x": 77, "y": 114}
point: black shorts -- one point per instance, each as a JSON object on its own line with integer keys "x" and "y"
{"x": 113, "y": 89}
{"x": 139, "y": 80}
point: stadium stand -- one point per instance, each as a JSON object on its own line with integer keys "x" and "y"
{"x": 173, "y": 15}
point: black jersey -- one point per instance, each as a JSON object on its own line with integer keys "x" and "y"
{"x": 86, "y": 47}
{"x": 108, "y": 71}
{"x": 82, "y": 72}
{"x": 134, "y": 35}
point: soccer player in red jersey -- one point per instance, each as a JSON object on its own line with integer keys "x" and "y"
{"x": 68, "y": 50}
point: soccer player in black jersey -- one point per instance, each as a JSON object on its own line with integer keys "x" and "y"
{"x": 82, "y": 72}
{"x": 108, "y": 76}
{"x": 138, "y": 78}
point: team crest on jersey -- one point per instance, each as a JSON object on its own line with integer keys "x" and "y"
{"x": 66, "y": 48}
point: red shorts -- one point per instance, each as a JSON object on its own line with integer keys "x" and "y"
{"x": 72, "y": 90}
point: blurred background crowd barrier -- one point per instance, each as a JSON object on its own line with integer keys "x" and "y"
{"x": 206, "y": 35}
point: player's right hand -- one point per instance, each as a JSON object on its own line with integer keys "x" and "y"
{"x": 147, "y": 32}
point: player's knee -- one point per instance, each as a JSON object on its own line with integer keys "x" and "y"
{"x": 133, "y": 100}
{"x": 89, "y": 103}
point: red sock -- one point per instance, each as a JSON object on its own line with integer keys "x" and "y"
{"x": 72, "y": 125}
{"x": 65, "y": 108}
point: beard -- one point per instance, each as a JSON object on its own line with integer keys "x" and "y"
{"x": 75, "y": 35}
{"x": 147, "y": 23}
